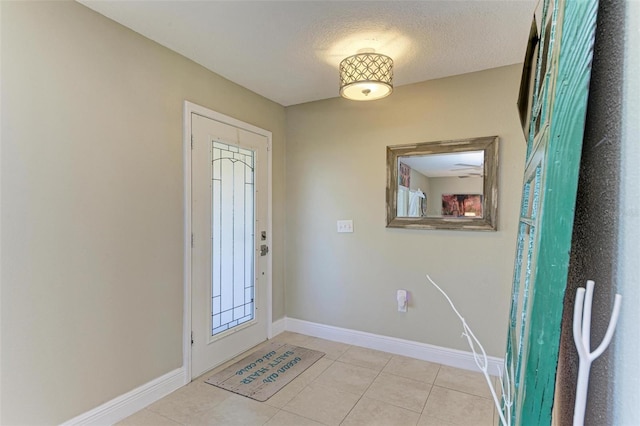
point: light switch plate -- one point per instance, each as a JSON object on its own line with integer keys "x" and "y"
{"x": 345, "y": 226}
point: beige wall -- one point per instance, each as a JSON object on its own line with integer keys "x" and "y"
{"x": 418, "y": 181}
{"x": 92, "y": 196}
{"x": 336, "y": 170}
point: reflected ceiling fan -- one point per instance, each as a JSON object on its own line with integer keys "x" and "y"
{"x": 476, "y": 170}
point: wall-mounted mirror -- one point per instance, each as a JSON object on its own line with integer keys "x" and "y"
{"x": 443, "y": 185}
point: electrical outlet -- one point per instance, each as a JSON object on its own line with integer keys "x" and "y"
{"x": 345, "y": 226}
{"x": 402, "y": 296}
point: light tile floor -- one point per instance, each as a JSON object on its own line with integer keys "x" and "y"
{"x": 349, "y": 386}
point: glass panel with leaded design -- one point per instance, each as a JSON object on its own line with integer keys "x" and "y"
{"x": 232, "y": 224}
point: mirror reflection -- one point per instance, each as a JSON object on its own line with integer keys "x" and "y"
{"x": 443, "y": 185}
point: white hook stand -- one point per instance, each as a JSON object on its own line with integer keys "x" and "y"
{"x": 483, "y": 365}
{"x": 582, "y": 339}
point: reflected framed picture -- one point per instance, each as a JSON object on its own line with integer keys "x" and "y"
{"x": 404, "y": 175}
{"x": 462, "y": 205}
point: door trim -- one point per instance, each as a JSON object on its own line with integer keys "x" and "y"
{"x": 190, "y": 108}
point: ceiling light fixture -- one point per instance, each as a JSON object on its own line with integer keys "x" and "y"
{"x": 366, "y": 76}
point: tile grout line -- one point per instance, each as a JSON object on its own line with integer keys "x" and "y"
{"x": 162, "y": 415}
{"x": 431, "y": 385}
{"x": 307, "y": 385}
{"x": 274, "y": 414}
{"x": 365, "y": 391}
{"x": 430, "y": 390}
{"x": 466, "y": 393}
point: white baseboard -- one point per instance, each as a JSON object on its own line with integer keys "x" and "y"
{"x": 423, "y": 351}
{"x": 278, "y": 326}
{"x": 131, "y": 402}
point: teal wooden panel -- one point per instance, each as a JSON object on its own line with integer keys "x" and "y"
{"x": 569, "y": 105}
{"x": 551, "y": 174}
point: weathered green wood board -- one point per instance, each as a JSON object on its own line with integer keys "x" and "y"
{"x": 556, "y": 131}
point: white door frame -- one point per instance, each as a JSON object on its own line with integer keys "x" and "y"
{"x": 190, "y": 108}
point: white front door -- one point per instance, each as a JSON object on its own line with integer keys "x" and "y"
{"x": 229, "y": 184}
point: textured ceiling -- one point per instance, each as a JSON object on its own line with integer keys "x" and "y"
{"x": 289, "y": 51}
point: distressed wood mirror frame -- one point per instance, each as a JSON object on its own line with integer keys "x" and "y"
{"x": 488, "y": 221}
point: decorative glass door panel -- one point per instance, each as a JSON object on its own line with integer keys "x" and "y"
{"x": 233, "y": 236}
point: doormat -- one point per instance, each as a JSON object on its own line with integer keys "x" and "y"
{"x": 265, "y": 371}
